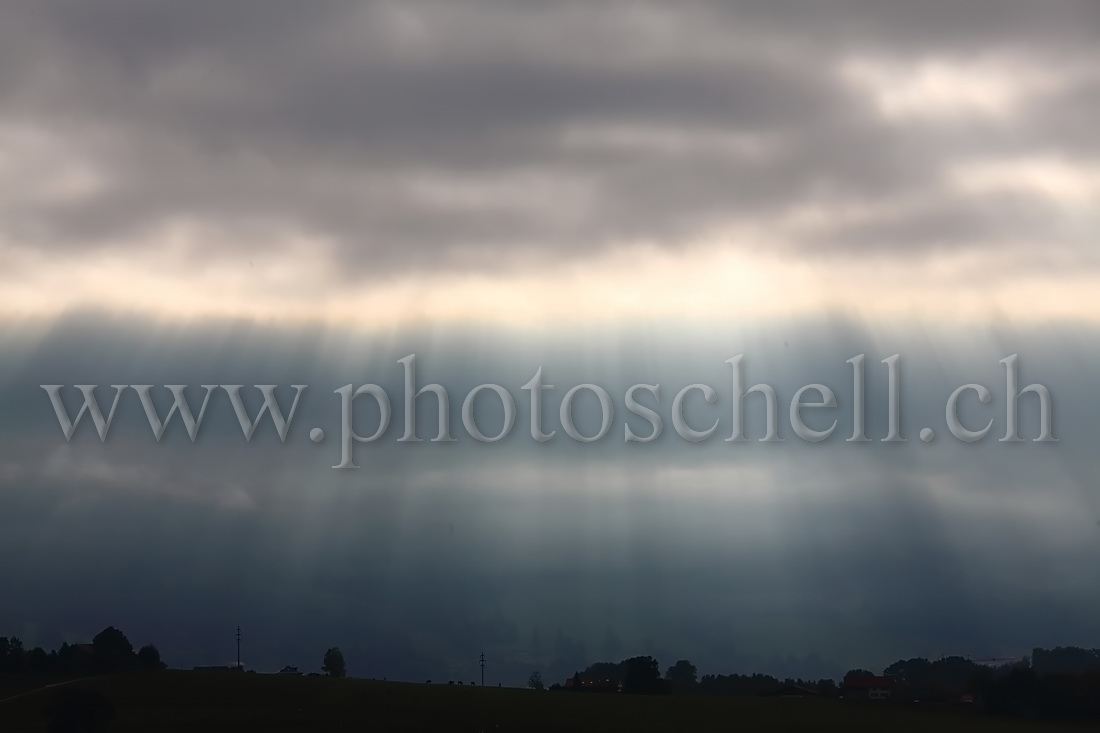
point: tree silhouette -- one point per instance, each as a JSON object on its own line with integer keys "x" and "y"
{"x": 149, "y": 658}
{"x": 643, "y": 674}
{"x": 11, "y": 654}
{"x": 682, "y": 675}
{"x": 37, "y": 661}
{"x": 535, "y": 681}
{"x": 334, "y": 663}
{"x": 113, "y": 652}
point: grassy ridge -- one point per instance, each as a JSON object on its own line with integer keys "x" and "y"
{"x": 211, "y": 701}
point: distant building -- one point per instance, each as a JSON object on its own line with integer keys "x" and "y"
{"x": 290, "y": 670}
{"x": 867, "y": 687}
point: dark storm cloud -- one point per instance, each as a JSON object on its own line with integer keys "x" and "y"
{"x": 421, "y": 135}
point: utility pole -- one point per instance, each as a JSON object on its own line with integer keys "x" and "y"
{"x": 238, "y": 648}
{"x": 482, "y": 669}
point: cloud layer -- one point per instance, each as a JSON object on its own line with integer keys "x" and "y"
{"x": 275, "y": 192}
{"x": 337, "y": 153}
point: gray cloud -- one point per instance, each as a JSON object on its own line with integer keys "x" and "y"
{"x": 423, "y": 135}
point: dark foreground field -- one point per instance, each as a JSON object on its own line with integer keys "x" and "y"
{"x": 202, "y": 701}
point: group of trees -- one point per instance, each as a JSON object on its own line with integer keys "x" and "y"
{"x": 943, "y": 680}
{"x": 109, "y": 651}
{"x": 1061, "y": 682}
{"x": 1026, "y": 692}
{"x": 1065, "y": 660}
{"x": 752, "y": 685}
{"x": 641, "y": 675}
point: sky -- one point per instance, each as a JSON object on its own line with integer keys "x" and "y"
{"x": 616, "y": 194}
